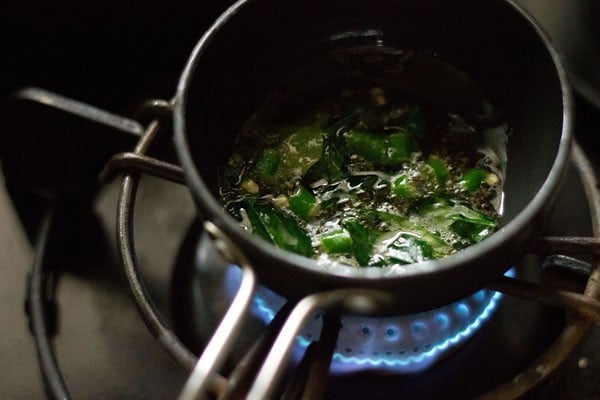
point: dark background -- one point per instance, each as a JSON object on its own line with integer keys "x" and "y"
{"x": 106, "y": 51}
{"x": 94, "y": 50}
{"x": 112, "y": 54}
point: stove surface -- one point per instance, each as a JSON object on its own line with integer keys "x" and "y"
{"x": 102, "y": 346}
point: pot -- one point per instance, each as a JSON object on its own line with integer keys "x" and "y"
{"x": 242, "y": 58}
{"x": 239, "y": 61}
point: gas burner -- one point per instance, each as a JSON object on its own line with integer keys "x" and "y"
{"x": 403, "y": 344}
{"x": 205, "y": 284}
{"x": 409, "y": 343}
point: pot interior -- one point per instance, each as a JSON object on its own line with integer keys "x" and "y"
{"x": 253, "y": 48}
{"x": 264, "y": 42}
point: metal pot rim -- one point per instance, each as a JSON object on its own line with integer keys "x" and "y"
{"x": 212, "y": 210}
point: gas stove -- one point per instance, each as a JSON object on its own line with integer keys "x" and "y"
{"x": 102, "y": 348}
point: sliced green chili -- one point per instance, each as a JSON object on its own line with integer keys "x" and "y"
{"x": 303, "y": 203}
{"x": 336, "y": 242}
{"x": 370, "y": 146}
{"x": 342, "y": 164}
{"x": 266, "y": 164}
{"x": 472, "y": 179}
{"x": 400, "y": 146}
{"x": 403, "y": 187}
{"x": 392, "y": 149}
{"x": 439, "y": 167}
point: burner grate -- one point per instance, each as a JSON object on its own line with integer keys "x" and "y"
{"x": 365, "y": 302}
{"x": 584, "y": 308}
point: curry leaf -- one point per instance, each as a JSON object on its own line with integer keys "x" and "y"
{"x": 278, "y": 228}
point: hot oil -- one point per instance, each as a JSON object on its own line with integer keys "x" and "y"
{"x": 382, "y": 87}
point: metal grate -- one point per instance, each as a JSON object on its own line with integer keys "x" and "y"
{"x": 256, "y": 375}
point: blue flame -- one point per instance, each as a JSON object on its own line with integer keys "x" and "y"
{"x": 424, "y": 359}
{"x": 403, "y": 344}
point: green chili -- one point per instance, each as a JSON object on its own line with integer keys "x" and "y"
{"x": 266, "y": 164}
{"x": 439, "y": 167}
{"x": 400, "y": 146}
{"x": 471, "y": 180}
{"x": 389, "y": 150}
{"x": 303, "y": 203}
{"x": 403, "y": 187}
{"x": 362, "y": 180}
{"x": 336, "y": 242}
{"x": 370, "y": 146}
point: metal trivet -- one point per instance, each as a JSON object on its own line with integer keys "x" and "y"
{"x": 307, "y": 382}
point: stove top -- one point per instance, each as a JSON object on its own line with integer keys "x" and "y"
{"x": 103, "y": 348}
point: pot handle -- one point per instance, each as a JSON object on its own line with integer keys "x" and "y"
{"x": 278, "y": 341}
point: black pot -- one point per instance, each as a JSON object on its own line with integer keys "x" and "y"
{"x": 255, "y": 44}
